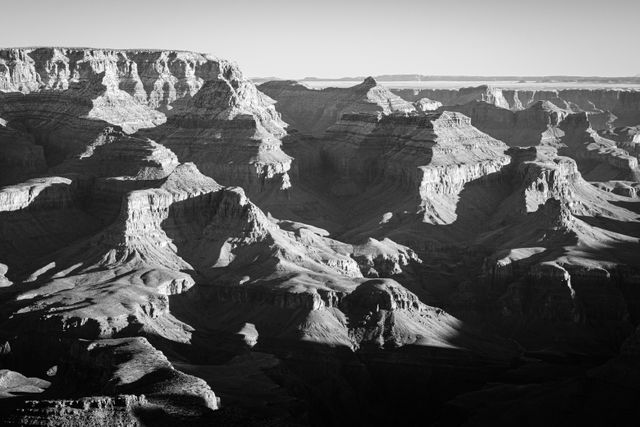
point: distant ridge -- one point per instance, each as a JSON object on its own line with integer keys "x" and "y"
{"x": 422, "y": 77}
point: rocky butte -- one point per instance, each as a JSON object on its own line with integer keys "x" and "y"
{"x": 181, "y": 247}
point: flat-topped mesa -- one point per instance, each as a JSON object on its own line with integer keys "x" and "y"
{"x": 598, "y": 158}
{"x": 312, "y": 111}
{"x": 433, "y": 156}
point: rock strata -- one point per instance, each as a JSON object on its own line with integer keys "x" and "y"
{"x": 314, "y": 111}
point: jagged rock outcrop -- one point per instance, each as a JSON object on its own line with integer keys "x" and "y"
{"x": 383, "y": 258}
{"x": 155, "y": 78}
{"x": 426, "y": 104}
{"x": 66, "y": 99}
{"x": 313, "y": 111}
{"x": 231, "y": 132}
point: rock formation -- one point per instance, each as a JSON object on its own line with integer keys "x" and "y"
{"x": 538, "y": 124}
{"x": 178, "y": 248}
{"x": 599, "y": 158}
{"x": 605, "y": 107}
{"x": 313, "y": 111}
{"x": 432, "y": 156}
{"x": 545, "y": 124}
{"x": 65, "y": 99}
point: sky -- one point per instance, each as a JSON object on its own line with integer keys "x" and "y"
{"x": 338, "y": 38}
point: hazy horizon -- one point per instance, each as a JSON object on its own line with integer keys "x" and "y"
{"x": 332, "y": 39}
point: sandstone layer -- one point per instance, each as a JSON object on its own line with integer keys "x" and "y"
{"x": 313, "y": 111}
{"x": 178, "y": 248}
{"x": 604, "y": 106}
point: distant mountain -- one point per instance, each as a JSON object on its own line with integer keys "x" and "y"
{"x": 422, "y": 77}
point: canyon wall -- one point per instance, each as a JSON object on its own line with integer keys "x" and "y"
{"x": 59, "y": 101}
{"x": 606, "y": 107}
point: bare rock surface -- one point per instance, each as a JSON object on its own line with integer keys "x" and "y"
{"x": 178, "y": 248}
{"x": 543, "y": 123}
{"x": 605, "y": 107}
{"x": 64, "y": 100}
{"x": 313, "y": 111}
{"x": 13, "y": 384}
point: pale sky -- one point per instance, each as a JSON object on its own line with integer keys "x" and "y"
{"x": 337, "y": 38}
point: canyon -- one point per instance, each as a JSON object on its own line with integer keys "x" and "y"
{"x": 180, "y": 246}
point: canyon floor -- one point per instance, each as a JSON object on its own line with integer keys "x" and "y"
{"x": 181, "y": 246}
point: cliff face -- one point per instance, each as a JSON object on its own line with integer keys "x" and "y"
{"x": 605, "y": 107}
{"x": 431, "y": 156}
{"x": 599, "y": 158}
{"x": 65, "y": 99}
{"x": 154, "y": 78}
{"x": 544, "y": 124}
{"x": 130, "y": 256}
{"x": 450, "y": 97}
{"x": 313, "y": 111}
{"x": 538, "y": 124}
{"x": 20, "y": 157}
{"x": 550, "y": 268}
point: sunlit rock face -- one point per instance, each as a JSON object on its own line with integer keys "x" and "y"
{"x": 179, "y": 248}
{"x": 56, "y": 102}
{"x": 600, "y": 158}
{"x": 605, "y": 107}
{"x": 433, "y": 156}
{"x": 544, "y": 124}
{"x": 450, "y": 97}
{"x": 538, "y": 124}
{"x": 314, "y": 111}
